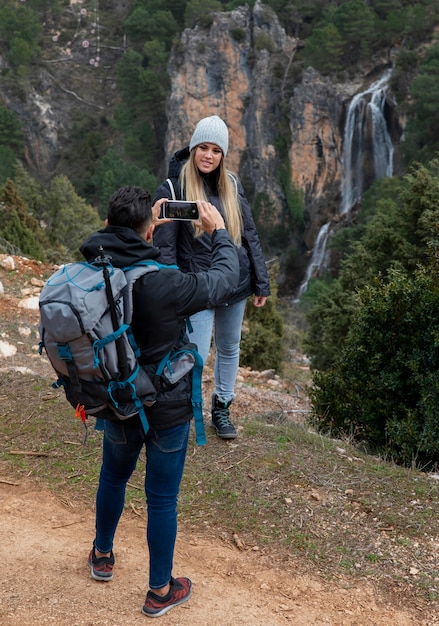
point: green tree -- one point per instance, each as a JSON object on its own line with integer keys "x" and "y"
{"x": 16, "y": 225}
{"x": 262, "y": 337}
{"x": 30, "y": 190}
{"x": 137, "y": 24}
{"x": 324, "y": 49}
{"x": 383, "y": 389}
{"x": 19, "y": 22}
{"x": 7, "y": 163}
{"x": 200, "y": 9}
{"x": 64, "y": 219}
{"x": 144, "y": 24}
{"x": 20, "y": 52}
{"x": 128, "y": 70}
{"x": 113, "y": 172}
{"x": 396, "y": 237}
{"x": 69, "y": 219}
{"x": 355, "y": 22}
{"x": 11, "y": 134}
{"x": 423, "y": 125}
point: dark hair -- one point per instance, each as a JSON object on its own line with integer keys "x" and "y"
{"x": 130, "y": 207}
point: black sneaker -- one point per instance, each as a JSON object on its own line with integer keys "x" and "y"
{"x": 220, "y": 419}
{"x": 101, "y": 567}
{"x": 180, "y": 591}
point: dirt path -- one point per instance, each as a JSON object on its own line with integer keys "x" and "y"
{"x": 44, "y": 578}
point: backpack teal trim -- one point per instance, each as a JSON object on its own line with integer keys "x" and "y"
{"x": 197, "y": 400}
{"x": 169, "y": 361}
{"x": 114, "y": 385}
{"x": 98, "y": 344}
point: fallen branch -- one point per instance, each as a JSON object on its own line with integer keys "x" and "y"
{"x": 238, "y": 543}
{"x": 237, "y": 463}
{"x": 79, "y": 521}
{"x": 8, "y": 482}
{"x": 28, "y": 453}
{"x": 26, "y": 419}
{"x": 134, "y": 486}
{"x": 135, "y": 510}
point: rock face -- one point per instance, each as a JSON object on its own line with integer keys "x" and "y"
{"x": 221, "y": 70}
{"x": 242, "y": 68}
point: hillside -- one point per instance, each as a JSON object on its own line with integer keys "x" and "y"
{"x": 246, "y": 568}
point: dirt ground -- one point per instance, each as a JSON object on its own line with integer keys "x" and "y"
{"x": 44, "y": 578}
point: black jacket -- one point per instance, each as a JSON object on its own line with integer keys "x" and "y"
{"x": 161, "y": 303}
{"x": 193, "y": 254}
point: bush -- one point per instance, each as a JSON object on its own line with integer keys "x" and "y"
{"x": 19, "y": 231}
{"x": 383, "y": 389}
{"x": 262, "y": 337}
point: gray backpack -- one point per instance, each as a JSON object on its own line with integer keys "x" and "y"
{"x": 85, "y": 315}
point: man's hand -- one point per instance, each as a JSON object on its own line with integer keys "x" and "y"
{"x": 156, "y": 210}
{"x": 210, "y": 217}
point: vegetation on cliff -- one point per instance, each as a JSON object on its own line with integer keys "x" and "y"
{"x": 373, "y": 331}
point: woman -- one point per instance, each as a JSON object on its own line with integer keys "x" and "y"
{"x": 198, "y": 172}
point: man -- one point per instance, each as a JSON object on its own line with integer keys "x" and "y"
{"x": 162, "y": 301}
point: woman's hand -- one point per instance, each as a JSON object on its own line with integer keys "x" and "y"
{"x": 259, "y": 301}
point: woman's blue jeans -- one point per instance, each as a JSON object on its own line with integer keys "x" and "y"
{"x": 165, "y": 458}
{"x": 226, "y": 322}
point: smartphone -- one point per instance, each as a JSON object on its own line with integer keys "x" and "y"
{"x": 180, "y": 210}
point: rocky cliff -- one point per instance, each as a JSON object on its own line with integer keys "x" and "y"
{"x": 242, "y": 68}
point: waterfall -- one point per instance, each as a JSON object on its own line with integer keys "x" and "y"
{"x": 365, "y": 128}
{"x": 318, "y": 255}
{"x": 365, "y": 117}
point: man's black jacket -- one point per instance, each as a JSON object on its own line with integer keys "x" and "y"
{"x": 163, "y": 300}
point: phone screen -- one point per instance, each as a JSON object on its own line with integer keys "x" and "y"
{"x": 180, "y": 210}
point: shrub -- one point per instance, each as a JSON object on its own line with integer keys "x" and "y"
{"x": 262, "y": 338}
{"x": 383, "y": 388}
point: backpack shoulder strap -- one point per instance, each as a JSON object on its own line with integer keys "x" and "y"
{"x": 233, "y": 177}
{"x": 132, "y": 273}
{"x": 197, "y": 399}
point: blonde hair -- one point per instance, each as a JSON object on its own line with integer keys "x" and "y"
{"x": 192, "y": 188}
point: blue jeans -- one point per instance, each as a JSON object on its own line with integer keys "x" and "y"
{"x": 226, "y": 322}
{"x": 165, "y": 458}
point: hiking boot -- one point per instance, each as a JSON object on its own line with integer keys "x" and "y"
{"x": 220, "y": 419}
{"x": 101, "y": 567}
{"x": 180, "y": 591}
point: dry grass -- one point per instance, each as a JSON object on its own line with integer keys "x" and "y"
{"x": 311, "y": 503}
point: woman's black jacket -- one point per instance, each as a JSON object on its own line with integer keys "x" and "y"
{"x": 178, "y": 245}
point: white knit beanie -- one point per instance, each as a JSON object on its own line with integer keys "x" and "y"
{"x": 211, "y": 130}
